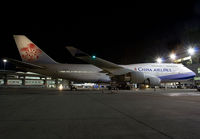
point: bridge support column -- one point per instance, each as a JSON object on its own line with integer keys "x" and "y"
{"x": 45, "y": 82}
{"x": 5, "y": 80}
{"x": 56, "y": 82}
{"x": 23, "y": 80}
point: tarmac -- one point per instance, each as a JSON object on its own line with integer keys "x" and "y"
{"x": 86, "y": 114}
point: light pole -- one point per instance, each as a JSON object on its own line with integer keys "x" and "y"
{"x": 4, "y": 63}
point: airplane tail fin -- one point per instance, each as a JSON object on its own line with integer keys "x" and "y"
{"x": 31, "y": 53}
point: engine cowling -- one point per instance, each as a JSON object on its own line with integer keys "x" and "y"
{"x": 152, "y": 80}
{"x": 138, "y": 77}
{"x": 141, "y": 77}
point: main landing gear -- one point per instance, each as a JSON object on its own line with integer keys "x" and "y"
{"x": 122, "y": 86}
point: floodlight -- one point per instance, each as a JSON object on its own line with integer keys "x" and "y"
{"x": 172, "y": 56}
{"x": 159, "y": 60}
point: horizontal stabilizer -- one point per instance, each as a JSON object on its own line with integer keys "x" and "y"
{"x": 24, "y": 64}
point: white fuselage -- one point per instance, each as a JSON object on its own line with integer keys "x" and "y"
{"x": 34, "y": 58}
{"x": 167, "y": 72}
{"x": 89, "y": 73}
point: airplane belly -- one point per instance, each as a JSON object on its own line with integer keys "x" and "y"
{"x": 177, "y": 77}
{"x": 85, "y": 77}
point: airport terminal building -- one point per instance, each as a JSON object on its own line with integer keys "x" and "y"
{"x": 34, "y": 80}
{"x": 13, "y": 78}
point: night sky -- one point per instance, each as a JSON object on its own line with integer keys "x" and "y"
{"x": 131, "y": 35}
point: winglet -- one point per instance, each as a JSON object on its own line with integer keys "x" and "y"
{"x": 76, "y": 52}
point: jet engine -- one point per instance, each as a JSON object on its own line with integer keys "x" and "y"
{"x": 137, "y": 77}
{"x": 141, "y": 77}
{"x": 152, "y": 80}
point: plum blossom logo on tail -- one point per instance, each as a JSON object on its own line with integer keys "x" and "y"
{"x": 31, "y": 52}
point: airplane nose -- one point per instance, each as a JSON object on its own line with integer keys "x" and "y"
{"x": 193, "y": 74}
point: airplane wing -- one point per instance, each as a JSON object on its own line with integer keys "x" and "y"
{"x": 107, "y": 66}
{"x": 24, "y": 64}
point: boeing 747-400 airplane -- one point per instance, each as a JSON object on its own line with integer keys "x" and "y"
{"x": 98, "y": 70}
